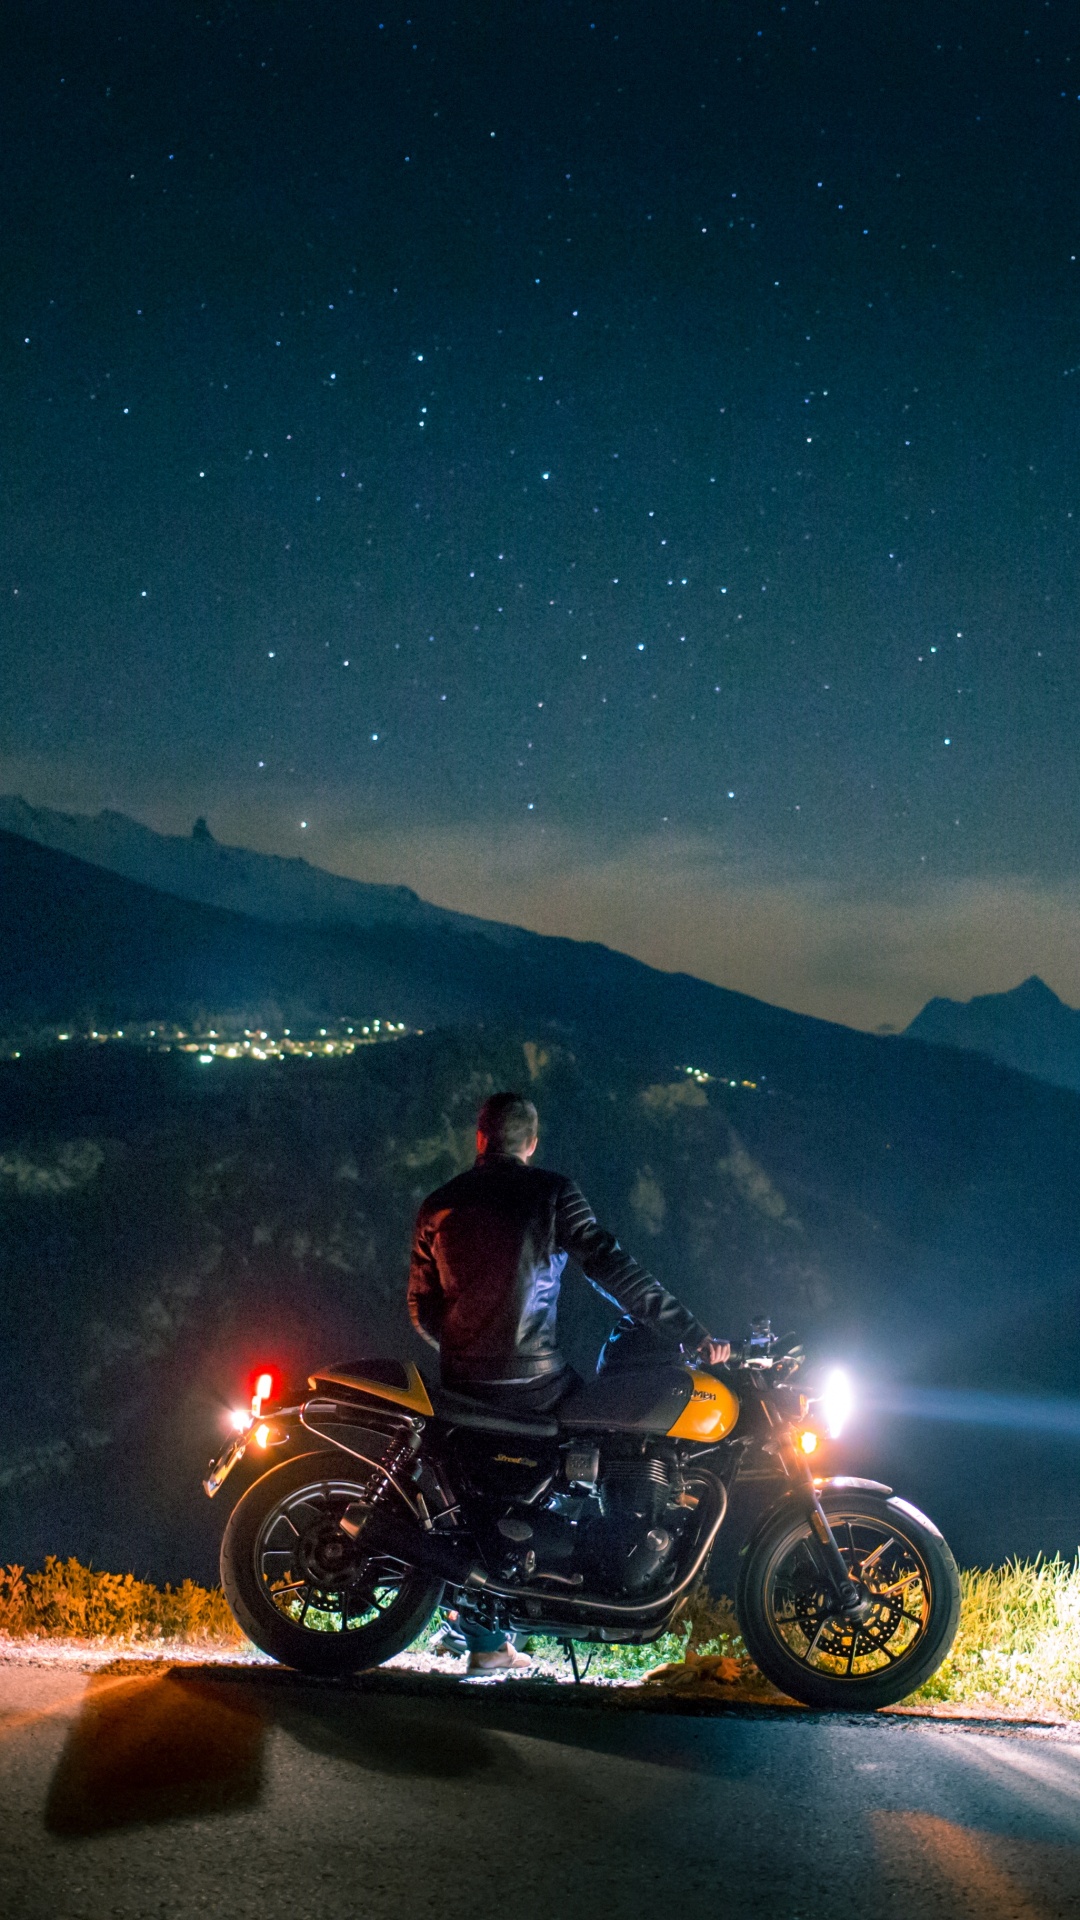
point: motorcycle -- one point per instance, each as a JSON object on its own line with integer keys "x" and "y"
{"x": 391, "y": 1497}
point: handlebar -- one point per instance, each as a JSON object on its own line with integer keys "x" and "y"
{"x": 765, "y": 1351}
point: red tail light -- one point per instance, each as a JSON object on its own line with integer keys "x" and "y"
{"x": 263, "y": 1391}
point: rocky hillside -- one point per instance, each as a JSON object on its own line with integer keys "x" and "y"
{"x": 166, "y": 1224}
{"x": 164, "y": 1227}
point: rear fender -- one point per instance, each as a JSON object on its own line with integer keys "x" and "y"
{"x": 351, "y": 1425}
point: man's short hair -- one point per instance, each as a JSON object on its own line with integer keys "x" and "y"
{"x": 507, "y": 1122}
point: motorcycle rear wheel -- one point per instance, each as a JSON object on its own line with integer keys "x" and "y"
{"x": 789, "y": 1619}
{"x": 296, "y": 1586}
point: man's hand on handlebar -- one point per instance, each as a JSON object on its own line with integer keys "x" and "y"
{"x": 713, "y": 1353}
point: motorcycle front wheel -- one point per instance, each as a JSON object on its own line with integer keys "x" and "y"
{"x": 297, "y": 1586}
{"x": 806, "y": 1647}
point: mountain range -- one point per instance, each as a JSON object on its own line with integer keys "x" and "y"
{"x": 164, "y": 1226}
{"x": 1028, "y": 1028}
{"x": 79, "y": 942}
{"x": 197, "y": 867}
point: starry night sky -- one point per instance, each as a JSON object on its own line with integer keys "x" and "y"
{"x": 610, "y": 466}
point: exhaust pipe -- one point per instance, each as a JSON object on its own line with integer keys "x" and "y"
{"x": 640, "y": 1613}
{"x": 455, "y": 1564}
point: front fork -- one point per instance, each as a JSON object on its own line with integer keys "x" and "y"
{"x": 852, "y": 1601}
{"x": 849, "y": 1594}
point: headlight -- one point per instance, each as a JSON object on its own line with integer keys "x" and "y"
{"x": 836, "y": 1402}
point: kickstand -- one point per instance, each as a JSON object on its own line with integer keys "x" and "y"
{"x": 572, "y": 1657}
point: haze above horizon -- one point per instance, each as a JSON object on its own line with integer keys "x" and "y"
{"x": 267, "y": 885}
{"x": 614, "y": 476}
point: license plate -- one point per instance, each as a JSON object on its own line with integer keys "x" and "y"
{"x": 221, "y": 1468}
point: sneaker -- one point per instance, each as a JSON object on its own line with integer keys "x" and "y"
{"x": 503, "y": 1660}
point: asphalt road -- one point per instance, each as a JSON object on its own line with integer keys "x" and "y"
{"x": 258, "y": 1796}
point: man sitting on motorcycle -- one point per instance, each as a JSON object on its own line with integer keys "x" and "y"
{"x": 489, "y": 1249}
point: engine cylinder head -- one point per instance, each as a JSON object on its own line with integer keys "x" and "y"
{"x": 641, "y": 1486}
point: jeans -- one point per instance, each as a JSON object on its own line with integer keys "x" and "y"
{"x": 482, "y": 1639}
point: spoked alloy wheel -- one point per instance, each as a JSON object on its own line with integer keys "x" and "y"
{"x": 911, "y": 1604}
{"x": 298, "y": 1586}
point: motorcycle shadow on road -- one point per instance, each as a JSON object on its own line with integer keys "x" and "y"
{"x": 167, "y": 1743}
{"x": 156, "y": 1744}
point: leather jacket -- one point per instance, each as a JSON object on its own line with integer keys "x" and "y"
{"x": 488, "y": 1254}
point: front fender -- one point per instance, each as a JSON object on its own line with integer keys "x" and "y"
{"x": 839, "y": 1483}
{"x": 846, "y": 1482}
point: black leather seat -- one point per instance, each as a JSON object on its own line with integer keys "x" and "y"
{"x": 459, "y": 1411}
{"x": 629, "y": 1400}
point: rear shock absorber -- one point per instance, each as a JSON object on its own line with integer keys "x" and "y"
{"x": 379, "y": 1482}
{"x": 391, "y": 1469}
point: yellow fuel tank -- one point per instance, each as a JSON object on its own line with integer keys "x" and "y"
{"x": 709, "y": 1414}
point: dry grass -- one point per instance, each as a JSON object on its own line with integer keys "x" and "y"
{"x": 1017, "y": 1651}
{"x": 66, "y": 1600}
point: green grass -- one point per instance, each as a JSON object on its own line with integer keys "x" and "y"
{"x": 707, "y": 1626}
{"x": 1018, "y": 1648}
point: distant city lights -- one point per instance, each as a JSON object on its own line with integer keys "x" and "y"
{"x": 719, "y": 1079}
{"x": 225, "y": 1040}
